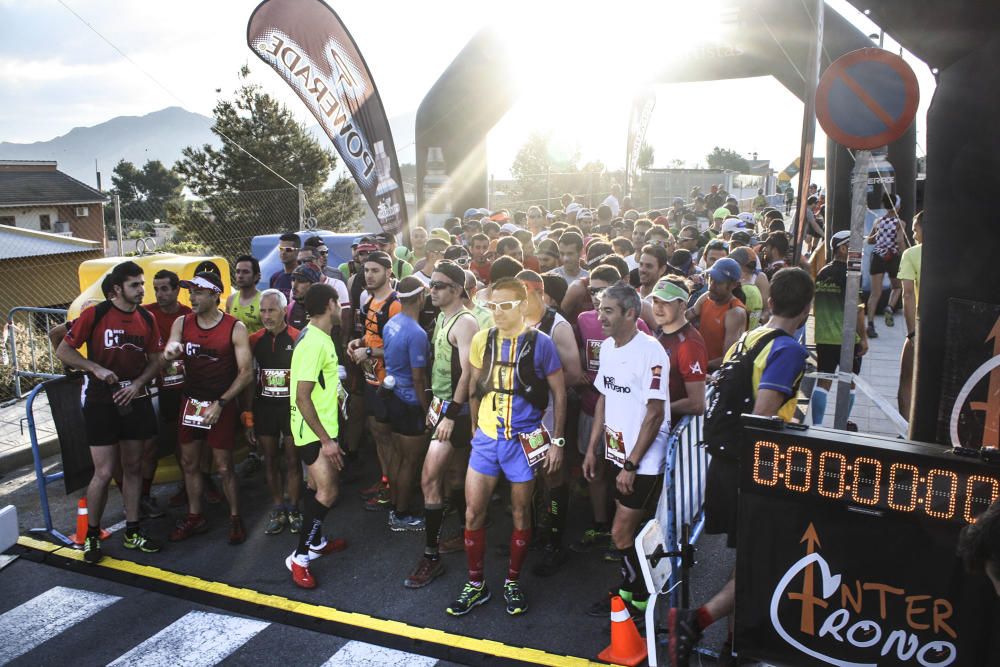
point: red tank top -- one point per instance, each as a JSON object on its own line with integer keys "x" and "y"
{"x": 210, "y": 358}
{"x": 712, "y": 325}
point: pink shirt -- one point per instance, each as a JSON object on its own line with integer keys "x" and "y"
{"x": 590, "y": 338}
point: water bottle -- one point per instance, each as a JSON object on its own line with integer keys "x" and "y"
{"x": 342, "y": 373}
{"x": 387, "y": 387}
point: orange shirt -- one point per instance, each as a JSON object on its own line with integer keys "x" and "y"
{"x": 712, "y": 325}
{"x": 374, "y": 368}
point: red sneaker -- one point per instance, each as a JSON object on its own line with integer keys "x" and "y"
{"x": 378, "y": 502}
{"x": 374, "y": 489}
{"x": 300, "y": 574}
{"x": 192, "y": 524}
{"x": 237, "y": 533}
{"x": 327, "y": 547}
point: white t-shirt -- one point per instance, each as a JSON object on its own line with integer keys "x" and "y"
{"x": 549, "y": 416}
{"x": 612, "y": 202}
{"x": 632, "y": 262}
{"x": 342, "y": 296}
{"x": 629, "y": 377}
{"x": 561, "y": 272}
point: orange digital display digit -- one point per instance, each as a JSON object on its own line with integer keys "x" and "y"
{"x": 938, "y": 496}
{"x": 798, "y": 469}
{"x": 977, "y": 498}
{"x": 832, "y": 468}
{"x": 769, "y": 467}
{"x": 867, "y": 481}
{"x": 902, "y": 486}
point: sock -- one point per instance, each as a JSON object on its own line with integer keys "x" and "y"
{"x": 456, "y": 499}
{"x": 147, "y": 486}
{"x": 93, "y": 531}
{"x": 631, "y": 582}
{"x": 131, "y": 526}
{"x": 850, "y": 406}
{"x": 558, "y": 506}
{"x": 519, "y": 541}
{"x": 433, "y": 517}
{"x": 818, "y": 405}
{"x": 703, "y": 618}
{"x": 312, "y": 525}
{"x": 475, "y": 547}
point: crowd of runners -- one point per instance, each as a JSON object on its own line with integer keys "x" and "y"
{"x": 544, "y": 349}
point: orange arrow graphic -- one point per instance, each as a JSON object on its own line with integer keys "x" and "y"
{"x": 809, "y": 601}
{"x": 991, "y": 406}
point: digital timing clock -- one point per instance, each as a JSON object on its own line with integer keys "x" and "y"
{"x": 870, "y": 473}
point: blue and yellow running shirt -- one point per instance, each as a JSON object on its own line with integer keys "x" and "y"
{"x": 503, "y": 414}
{"x": 779, "y": 367}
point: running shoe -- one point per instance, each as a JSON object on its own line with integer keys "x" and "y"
{"x": 373, "y": 490}
{"x": 326, "y": 547}
{"x": 592, "y": 537}
{"x": 471, "y": 596}
{"x": 552, "y": 560}
{"x": 276, "y": 522}
{"x": 179, "y": 499}
{"x": 427, "y": 570}
{"x": 401, "y": 524}
{"x": 212, "y": 494}
{"x": 602, "y": 608}
{"x": 379, "y": 501}
{"x": 889, "y": 320}
{"x": 871, "y": 330}
{"x": 682, "y": 626}
{"x": 149, "y": 508}
{"x": 452, "y": 545}
{"x": 237, "y": 533}
{"x": 295, "y": 522}
{"x": 92, "y": 550}
{"x": 612, "y": 555}
{"x": 192, "y": 524}
{"x": 300, "y": 573}
{"x": 514, "y": 597}
{"x": 137, "y": 540}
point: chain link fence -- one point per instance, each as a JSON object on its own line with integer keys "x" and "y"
{"x": 39, "y": 269}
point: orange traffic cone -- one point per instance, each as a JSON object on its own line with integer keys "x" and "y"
{"x": 627, "y": 645}
{"x": 81, "y": 523}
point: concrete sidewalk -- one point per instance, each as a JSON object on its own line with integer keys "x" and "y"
{"x": 15, "y": 441}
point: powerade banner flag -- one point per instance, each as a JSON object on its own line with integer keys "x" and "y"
{"x": 307, "y": 44}
{"x": 642, "y": 109}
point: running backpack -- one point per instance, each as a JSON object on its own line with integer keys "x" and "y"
{"x": 733, "y": 396}
{"x": 528, "y": 385}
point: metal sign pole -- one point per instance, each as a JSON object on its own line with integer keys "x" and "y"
{"x": 118, "y": 225}
{"x": 859, "y": 201}
{"x": 808, "y": 143}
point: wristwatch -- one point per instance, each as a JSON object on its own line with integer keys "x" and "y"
{"x": 629, "y": 466}
{"x": 222, "y": 402}
{"x": 559, "y": 442}
{"x": 368, "y": 351}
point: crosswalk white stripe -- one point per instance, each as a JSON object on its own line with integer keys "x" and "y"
{"x": 360, "y": 654}
{"x": 197, "y": 639}
{"x": 45, "y": 616}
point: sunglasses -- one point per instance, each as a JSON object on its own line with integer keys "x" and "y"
{"x": 324, "y": 253}
{"x": 286, "y": 249}
{"x": 461, "y": 261}
{"x": 441, "y": 284}
{"x": 503, "y": 305}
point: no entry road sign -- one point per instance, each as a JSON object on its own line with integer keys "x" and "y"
{"x": 867, "y": 98}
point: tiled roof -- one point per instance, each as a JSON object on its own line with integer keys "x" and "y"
{"x": 28, "y": 188}
{"x": 18, "y": 243}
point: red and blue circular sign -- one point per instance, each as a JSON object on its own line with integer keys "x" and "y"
{"x": 867, "y": 98}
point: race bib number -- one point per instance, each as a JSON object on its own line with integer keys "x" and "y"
{"x": 593, "y": 354}
{"x": 194, "y": 413}
{"x": 369, "y": 367}
{"x": 434, "y": 413}
{"x": 173, "y": 374}
{"x": 614, "y": 446}
{"x": 142, "y": 393}
{"x": 274, "y": 382}
{"x": 535, "y": 445}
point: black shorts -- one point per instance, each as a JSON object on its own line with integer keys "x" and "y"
{"x": 645, "y": 493}
{"x": 722, "y": 487}
{"x": 169, "y": 401}
{"x": 374, "y": 405}
{"x": 309, "y": 453}
{"x": 105, "y": 426}
{"x": 828, "y": 358}
{"x": 405, "y": 418}
{"x": 272, "y": 418}
{"x": 881, "y": 265}
{"x": 461, "y": 432}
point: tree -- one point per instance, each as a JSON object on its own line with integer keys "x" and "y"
{"x": 242, "y": 198}
{"x": 646, "y": 155}
{"x": 724, "y": 158}
{"x": 538, "y": 174}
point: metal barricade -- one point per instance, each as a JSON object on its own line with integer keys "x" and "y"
{"x": 41, "y": 479}
{"x": 29, "y": 357}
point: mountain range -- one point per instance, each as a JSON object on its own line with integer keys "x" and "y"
{"x": 160, "y": 135}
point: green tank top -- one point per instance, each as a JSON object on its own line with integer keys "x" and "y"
{"x": 249, "y": 314}
{"x": 447, "y": 367}
{"x": 754, "y": 303}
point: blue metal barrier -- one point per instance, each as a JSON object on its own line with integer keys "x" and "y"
{"x": 41, "y": 479}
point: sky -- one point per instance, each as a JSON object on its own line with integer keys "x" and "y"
{"x": 57, "y": 74}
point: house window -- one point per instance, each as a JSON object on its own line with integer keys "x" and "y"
{"x": 7, "y": 220}
{"x": 45, "y": 223}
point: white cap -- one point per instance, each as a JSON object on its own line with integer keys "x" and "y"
{"x": 509, "y": 227}
{"x": 730, "y": 225}
{"x": 573, "y": 206}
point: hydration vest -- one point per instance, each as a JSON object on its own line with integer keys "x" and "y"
{"x": 526, "y": 382}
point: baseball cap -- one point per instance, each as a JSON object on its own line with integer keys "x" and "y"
{"x": 442, "y": 234}
{"x": 204, "y": 280}
{"x": 839, "y": 239}
{"x": 573, "y": 206}
{"x": 667, "y": 291}
{"x": 661, "y": 221}
{"x": 631, "y": 214}
{"x": 366, "y": 247}
{"x": 357, "y": 241}
{"x": 456, "y": 252}
{"x": 509, "y": 227}
{"x": 384, "y": 238}
{"x": 732, "y": 224}
{"x": 677, "y": 200}
{"x": 306, "y": 273}
{"x": 453, "y": 271}
{"x": 483, "y": 211}
{"x": 742, "y": 236}
{"x": 726, "y": 269}
{"x": 584, "y": 214}
{"x": 747, "y": 218}
{"x": 721, "y": 212}
{"x": 470, "y": 213}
